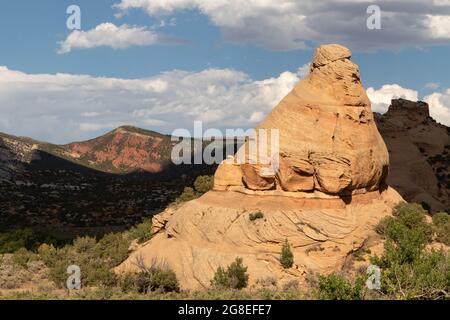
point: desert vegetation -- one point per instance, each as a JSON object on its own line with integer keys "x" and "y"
{"x": 256, "y": 215}
{"x": 415, "y": 264}
{"x": 202, "y": 184}
{"x": 286, "y": 257}
{"x": 412, "y": 267}
{"x": 234, "y": 277}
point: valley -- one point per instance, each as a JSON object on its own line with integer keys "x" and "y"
{"x": 89, "y": 187}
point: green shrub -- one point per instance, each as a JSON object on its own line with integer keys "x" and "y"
{"x": 15, "y": 240}
{"x": 22, "y": 256}
{"x": 95, "y": 274}
{"x": 406, "y": 233}
{"x": 12, "y": 241}
{"x": 413, "y": 216}
{"x": 157, "y": 279}
{"x": 409, "y": 271}
{"x": 203, "y": 184}
{"x": 335, "y": 287}
{"x": 95, "y": 259}
{"x": 112, "y": 249}
{"x": 150, "y": 279}
{"x": 128, "y": 283}
{"x": 256, "y": 215}
{"x": 441, "y": 223}
{"x": 235, "y": 277}
{"x": 57, "y": 262}
{"x": 142, "y": 232}
{"x": 84, "y": 244}
{"x": 426, "y": 277}
{"x": 187, "y": 195}
{"x": 403, "y": 244}
{"x": 286, "y": 257}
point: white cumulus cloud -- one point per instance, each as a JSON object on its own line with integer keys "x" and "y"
{"x": 432, "y": 85}
{"x": 290, "y": 24}
{"x": 381, "y": 98}
{"x": 108, "y": 34}
{"x": 439, "y": 102}
{"x": 440, "y": 106}
{"x": 63, "y": 107}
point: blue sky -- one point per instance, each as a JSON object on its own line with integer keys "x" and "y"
{"x": 255, "y": 42}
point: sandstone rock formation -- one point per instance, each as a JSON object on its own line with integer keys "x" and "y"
{"x": 328, "y": 140}
{"x": 324, "y": 193}
{"x": 212, "y": 231}
{"x": 419, "y": 150}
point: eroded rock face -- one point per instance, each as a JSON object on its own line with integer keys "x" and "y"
{"x": 328, "y": 140}
{"x": 321, "y": 192}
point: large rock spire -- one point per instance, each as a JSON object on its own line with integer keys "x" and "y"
{"x": 328, "y": 140}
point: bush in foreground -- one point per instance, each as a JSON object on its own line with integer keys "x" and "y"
{"x": 407, "y": 233}
{"x": 409, "y": 271}
{"x": 441, "y": 223}
{"x": 150, "y": 279}
{"x": 95, "y": 259}
{"x": 256, "y": 215}
{"x": 286, "y": 257}
{"x": 235, "y": 277}
{"x": 335, "y": 287}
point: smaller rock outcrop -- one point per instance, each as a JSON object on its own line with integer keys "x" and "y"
{"x": 408, "y": 113}
{"x": 419, "y": 150}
